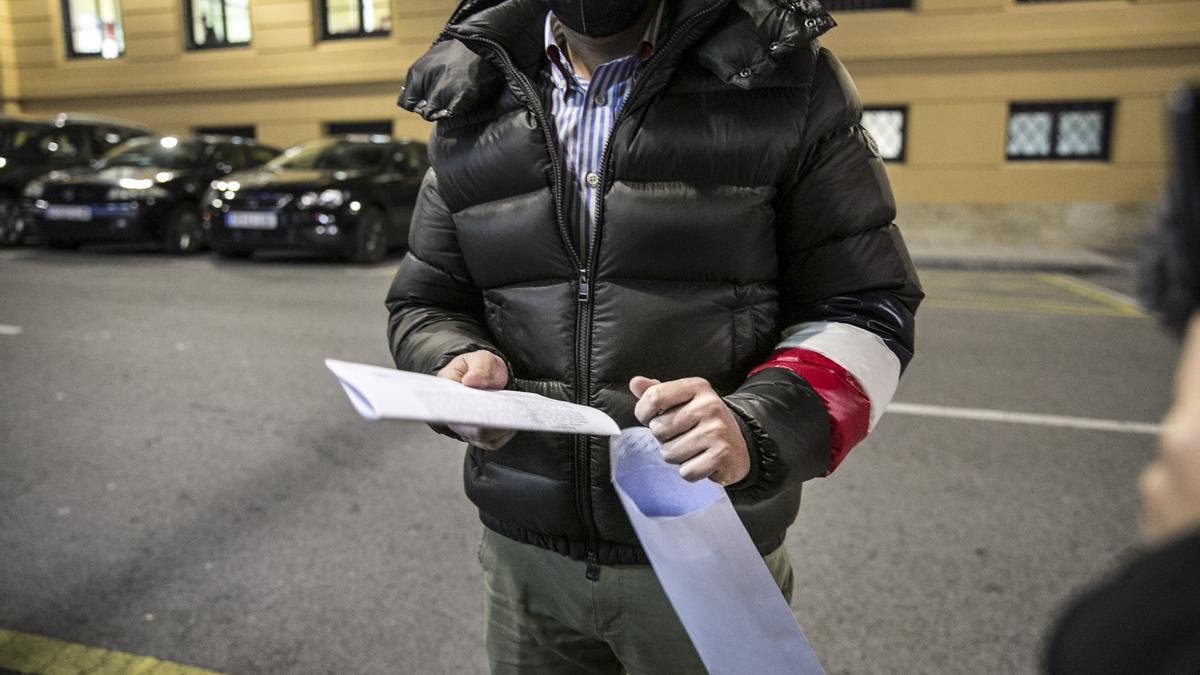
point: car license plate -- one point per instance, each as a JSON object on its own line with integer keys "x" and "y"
{"x": 68, "y": 212}
{"x": 252, "y": 220}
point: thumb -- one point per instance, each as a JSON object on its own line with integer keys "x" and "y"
{"x": 638, "y": 385}
{"x": 485, "y": 370}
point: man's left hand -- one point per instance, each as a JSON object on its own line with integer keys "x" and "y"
{"x": 697, "y": 430}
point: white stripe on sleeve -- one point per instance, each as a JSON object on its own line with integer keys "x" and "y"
{"x": 862, "y": 353}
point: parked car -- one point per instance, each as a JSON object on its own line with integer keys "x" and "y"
{"x": 349, "y": 196}
{"x": 148, "y": 188}
{"x": 30, "y": 147}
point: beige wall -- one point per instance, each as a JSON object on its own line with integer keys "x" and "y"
{"x": 287, "y": 82}
{"x": 8, "y": 62}
{"x": 956, "y": 64}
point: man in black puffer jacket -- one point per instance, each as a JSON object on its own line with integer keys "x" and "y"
{"x": 716, "y": 260}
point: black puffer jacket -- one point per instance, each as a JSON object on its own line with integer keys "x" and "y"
{"x": 740, "y": 196}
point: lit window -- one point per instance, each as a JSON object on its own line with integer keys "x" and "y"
{"x": 356, "y": 18}
{"x": 886, "y": 127}
{"x": 1059, "y": 131}
{"x": 93, "y": 28}
{"x": 218, "y": 23}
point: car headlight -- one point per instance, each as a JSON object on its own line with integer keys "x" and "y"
{"x": 328, "y": 199}
{"x": 34, "y": 189}
{"x": 122, "y": 194}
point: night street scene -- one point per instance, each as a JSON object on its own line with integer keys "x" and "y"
{"x": 599, "y": 336}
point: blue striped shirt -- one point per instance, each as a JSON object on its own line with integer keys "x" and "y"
{"x": 584, "y": 112}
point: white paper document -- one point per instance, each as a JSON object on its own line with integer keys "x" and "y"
{"x": 712, "y": 573}
{"x": 716, "y": 580}
{"x": 385, "y": 393}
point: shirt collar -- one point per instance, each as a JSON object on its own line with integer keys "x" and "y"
{"x": 556, "y": 47}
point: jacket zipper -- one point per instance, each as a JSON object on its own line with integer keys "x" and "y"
{"x": 586, "y": 273}
{"x": 583, "y": 501}
{"x": 633, "y": 90}
{"x": 535, "y": 107}
{"x": 583, "y": 323}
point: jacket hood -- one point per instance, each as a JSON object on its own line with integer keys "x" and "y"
{"x": 742, "y": 42}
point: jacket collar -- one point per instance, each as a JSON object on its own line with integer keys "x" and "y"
{"x": 742, "y": 42}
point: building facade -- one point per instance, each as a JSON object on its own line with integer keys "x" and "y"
{"x": 1007, "y": 120}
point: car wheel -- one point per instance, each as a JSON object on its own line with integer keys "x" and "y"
{"x": 12, "y": 223}
{"x": 183, "y": 232}
{"x": 371, "y": 237}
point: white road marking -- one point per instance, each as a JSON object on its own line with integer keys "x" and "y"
{"x": 982, "y": 415}
{"x": 10, "y": 330}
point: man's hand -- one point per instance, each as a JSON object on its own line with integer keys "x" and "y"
{"x": 696, "y": 428}
{"x": 1170, "y": 485}
{"x": 479, "y": 370}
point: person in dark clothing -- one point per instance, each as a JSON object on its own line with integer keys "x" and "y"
{"x": 669, "y": 211}
{"x": 1146, "y": 619}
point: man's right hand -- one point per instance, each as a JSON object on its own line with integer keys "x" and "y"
{"x": 479, "y": 370}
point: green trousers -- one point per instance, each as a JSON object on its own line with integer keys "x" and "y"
{"x": 545, "y": 616}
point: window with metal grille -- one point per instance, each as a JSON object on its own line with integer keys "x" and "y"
{"x": 93, "y": 28}
{"x": 886, "y": 126}
{"x": 355, "y": 18}
{"x": 217, "y": 23}
{"x": 858, "y": 5}
{"x": 372, "y": 128}
{"x": 1060, "y": 131}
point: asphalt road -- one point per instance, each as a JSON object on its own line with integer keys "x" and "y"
{"x": 180, "y": 476}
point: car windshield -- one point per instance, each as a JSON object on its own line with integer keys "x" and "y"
{"x": 168, "y": 152}
{"x": 334, "y": 154}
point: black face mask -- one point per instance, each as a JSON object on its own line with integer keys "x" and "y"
{"x": 598, "y": 18}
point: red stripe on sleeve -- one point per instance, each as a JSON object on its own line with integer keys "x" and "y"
{"x": 848, "y": 406}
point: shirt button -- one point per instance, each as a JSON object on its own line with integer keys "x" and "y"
{"x": 593, "y": 179}
{"x": 601, "y": 99}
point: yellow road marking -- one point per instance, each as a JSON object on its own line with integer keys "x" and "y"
{"x": 1092, "y": 294}
{"x": 1017, "y": 306}
{"x": 1023, "y": 293}
{"x": 26, "y": 653}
